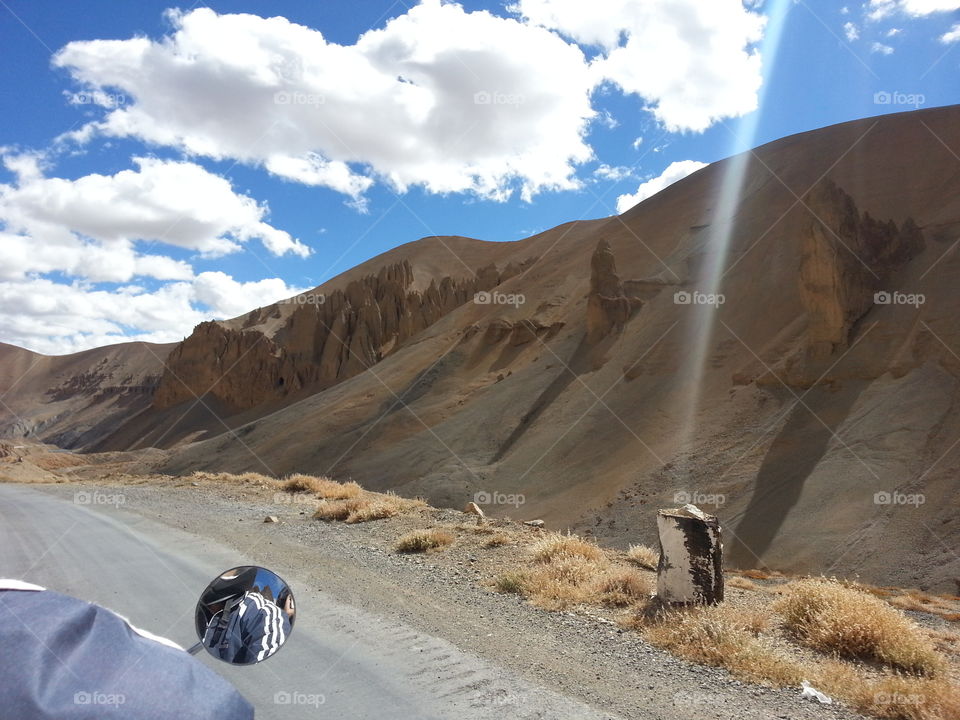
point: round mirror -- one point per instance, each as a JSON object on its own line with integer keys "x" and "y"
{"x": 245, "y": 615}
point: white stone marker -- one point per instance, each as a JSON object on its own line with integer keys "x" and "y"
{"x": 691, "y": 557}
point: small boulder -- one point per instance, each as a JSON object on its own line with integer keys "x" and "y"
{"x": 534, "y": 523}
{"x": 271, "y": 519}
{"x": 473, "y": 509}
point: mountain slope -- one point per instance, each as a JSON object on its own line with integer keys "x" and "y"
{"x": 808, "y": 411}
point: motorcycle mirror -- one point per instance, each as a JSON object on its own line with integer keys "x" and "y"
{"x": 244, "y": 616}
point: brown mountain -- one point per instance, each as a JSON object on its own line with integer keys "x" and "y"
{"x": 776, "y": 337}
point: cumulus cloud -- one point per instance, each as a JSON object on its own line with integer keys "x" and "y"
{"x": 951, "y": 36}
{"x": 851, "y": 31}
{"x": 880, "y": 9}
{"x": 449, "y": 100}
{"x": 880, "y": 48}
{"x": 676, "y": 171}
{"x": 89, "y": 226}
{"x": 72, "y": 272}
{"x": 693, "y": 62}
{"x": 613, "y": 172}
{"x": 56, "y": 318}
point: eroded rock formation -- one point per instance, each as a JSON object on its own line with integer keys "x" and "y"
{"x": 846, "y": 258}
{"x": 319, "y": 344}
{"x": 608, "y": 306}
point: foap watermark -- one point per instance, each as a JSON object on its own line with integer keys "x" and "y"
{"x": 498, "y": 298}
{"x": 485, "y": 97}
{"x": 283, "y": 498}
{"x": 683, "y": 497}
{"x": 498, "y": 498}
{"x": 95, "y": 497}
{"x": 283, "y": 697}
{"x": 883, "y": 97}
{"x": 98, "y": 97}
{"x": 898, "y": 298}
{"x": 98, "y": 698}
{"x": 897, "y": 698}
{"x": 899, "y": 498}
{"x": 305, "y": 299}
{"x": 682, "y": 297}
{"x": 286, "y": 97}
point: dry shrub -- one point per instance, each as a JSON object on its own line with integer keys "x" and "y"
{"x": 510, "y": 583}
{"x": 249, "y": 478}
{"x": 910, "y": 602}
{"x": 742, "y": 583}
{"x": 418, "y": 541}
{"x": 721, "y": 635}
{"x": 643, "y": 556}
{"x": 896, "y": 697}
{"x": 622, "y": 587}
{"x": 368, "y": 506}
{"x": 565, "y": 580}
{"x": 322, "y": 486}
{"x": 336, "y": 509}
{"x": 557, "y": 544}
{"x": 497, "y": 540}
{"x": 835, "y": 619}
{"x": 565, "y": 574}
{"x": 382, "y": 505}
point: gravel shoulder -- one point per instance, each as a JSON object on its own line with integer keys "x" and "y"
{"x": 446, "y": 595}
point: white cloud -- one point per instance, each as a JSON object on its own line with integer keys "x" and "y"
{"x": 66, "y": 244}
{"x": 851, "y": 31}
{"x": 609, "y": 172}
{"x": 58, "y": 317}
{"x": 694, "y": 62}
{"x": 881, "y": 49}
{"x": 442, "y": 98}
{"x": 89, "y": 227}
{"x": 676, "y": 171}
{"x": 893, "y": 32}
{"x": 951, "y": 36}
{"x": 880, "y": 9}
{"x": 637, "y": 143}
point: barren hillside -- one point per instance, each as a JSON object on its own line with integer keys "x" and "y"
{"x": 811, "y": 406}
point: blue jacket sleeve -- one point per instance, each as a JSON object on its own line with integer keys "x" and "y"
{"x": 67, "y": 659}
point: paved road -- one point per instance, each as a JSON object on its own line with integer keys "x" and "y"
{"x": 360, "y": 665}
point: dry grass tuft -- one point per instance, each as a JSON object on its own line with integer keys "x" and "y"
{"x": 322, "y": 486}
{"x": 336, "y": 510}
{"x": 510, "y": 583}
{"x": 742, "y": 583}
{"x": 419, "y": 541}
{"x": 721, "y": 635}
{"x": 382, "y": 506}
{"x": 853, "y": 624}
{"x": 566, "y": 580}
{"x": 368, "y": 506}
{"x": 249, "y": 478}
{"x": 497, "y": 540}
{"x": 557, "y": 545}
{"x": 643, "y": 556}
{"x": 623, "y": 587}
{"x": 896, "y": 697}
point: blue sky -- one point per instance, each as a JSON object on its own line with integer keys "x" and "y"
{"x": 205, "y": 163}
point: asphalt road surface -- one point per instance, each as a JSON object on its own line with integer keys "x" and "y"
{"x": 339, "y": 662}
